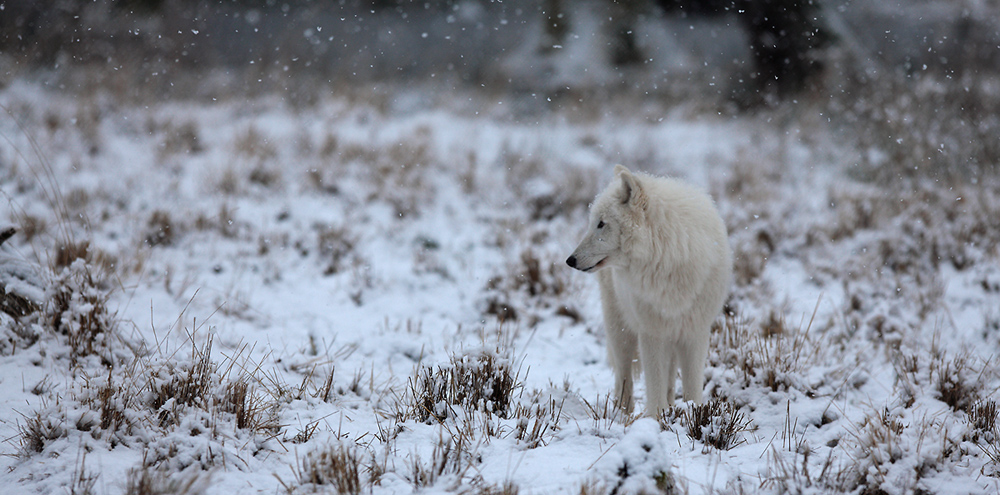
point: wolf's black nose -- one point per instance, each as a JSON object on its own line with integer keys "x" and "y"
{"x": 571, "y": 261}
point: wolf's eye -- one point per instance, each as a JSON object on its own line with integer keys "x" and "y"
{"x": 600, "y": 224}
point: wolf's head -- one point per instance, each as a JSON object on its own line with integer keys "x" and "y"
{"x": 616, "y": 214}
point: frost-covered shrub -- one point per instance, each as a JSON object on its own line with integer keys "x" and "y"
{"x": 77, "y": 308}
{"x": 638, "y": 463}
{"x": 894, "y": 450}
{"x": 21, "y": 296}
{"x": 21, "y": 283}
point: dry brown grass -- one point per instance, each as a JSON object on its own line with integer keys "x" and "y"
{"x": 68, "y": 252}
{"x": 336, "y": 247}
{"x": 149, "y": 480}
{"x": 254, "y": 144}
{"x": 548, "y": 187}
{"x": 182, "y": 384}
{"x": 251, "y": 409}
{"x": 160, "y": 229}
{"x": 958, "y": 381}
{"x": 451, "y": 460}
{"x": 746, "y": 195}
{"x": 878, "y": 440}
{"x": 334, "y": 466}
{"x": 83, "y": 481}
{"x": 36, "y": 431}
{"x": 983, "y": 417}
{"x": 152, "y": 396}
{"x": 476, "y": 383}
{"x": 224, "y": 222}
{"x": 537, "y": 421}
{"x": 605, "y": 411}
{"x": 716, "y": 423}
{"x": 768, "y": 354}
{"x": 16, "y": 305}
{"x": 112, "y": 406}
{"x": 183, "y": 139}
{"x": 533, "y": 282}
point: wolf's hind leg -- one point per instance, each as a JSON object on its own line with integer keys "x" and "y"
{"x": 692, "y": 361}
{"x": 655, "y": 363}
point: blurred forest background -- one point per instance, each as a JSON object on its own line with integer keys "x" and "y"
{"x": 877, "y": 66}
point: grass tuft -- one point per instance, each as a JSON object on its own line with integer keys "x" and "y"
{"x": 451, "y": 458}
{"x": 181, "y": 139}
{"x": 770, "y": 354}
{"x": 37, "y": 430}
{"x": 539, "y": 277}
{"x": 337, "y": 467}
{"x": 146, "y": 480}
{"x": 68, "y": 252}
{"x": 716, "y": 423}
{"x": 605, "y": 412}
{"x": 477, "y": 382}
{"x": 16, "y": 305}
{"x": 537, "y": 421}
{"x": 533, "y": 281}
{"x": 182, "y": 384}
{"x": 336, "y": 246}
{"x": 251, "y": 410}
{"x": 983, "y": 416}
{"x": 506, "y": 488}
{"x": 954, "y": 385}
{"x": 112, "y": 402}
{"x": 83, "y": 481}
{"x": 160, "y": 230}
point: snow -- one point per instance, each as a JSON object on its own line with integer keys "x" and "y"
{"x": 366, "y": 242}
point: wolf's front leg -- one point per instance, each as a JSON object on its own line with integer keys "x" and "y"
{"x": 622, "y": 352}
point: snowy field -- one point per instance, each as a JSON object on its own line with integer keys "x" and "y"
{"x": 368, "y": 294}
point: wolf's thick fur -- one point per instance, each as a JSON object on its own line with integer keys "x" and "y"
{"x": 664, "y": 266}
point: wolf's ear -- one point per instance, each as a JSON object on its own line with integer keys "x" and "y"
{"x": 631, "y": 193}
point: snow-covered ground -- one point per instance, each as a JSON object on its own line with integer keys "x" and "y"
{"x": 368, "y": 294}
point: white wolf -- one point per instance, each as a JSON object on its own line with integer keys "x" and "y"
{"x": 664, "y": 266}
